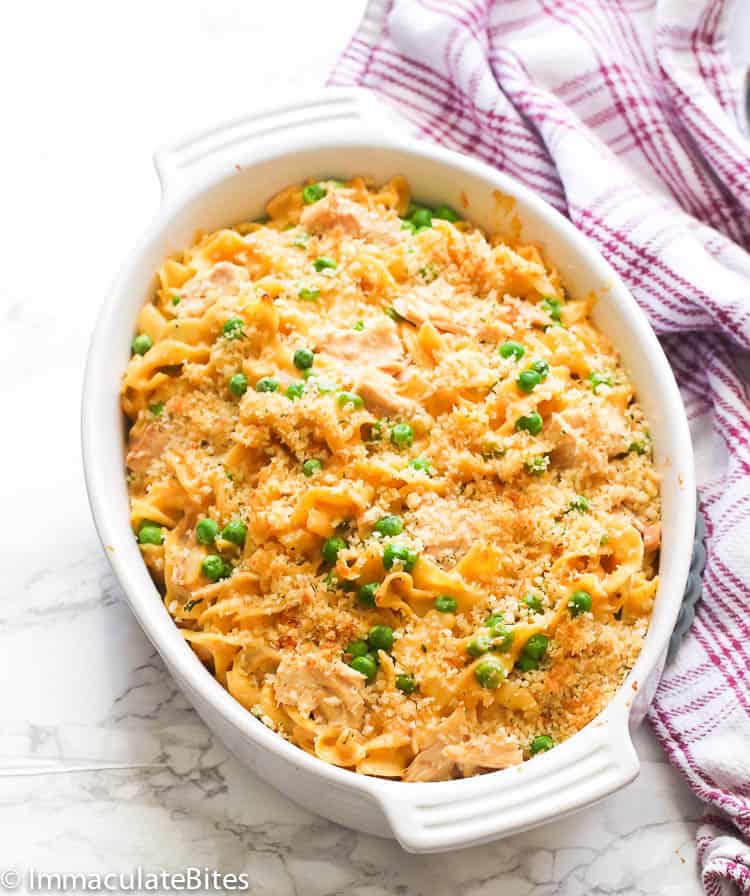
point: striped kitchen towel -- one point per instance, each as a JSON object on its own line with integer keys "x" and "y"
{"x": 626, "y": 116}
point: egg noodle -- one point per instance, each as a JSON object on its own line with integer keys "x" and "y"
{"x": 392, "y": 482}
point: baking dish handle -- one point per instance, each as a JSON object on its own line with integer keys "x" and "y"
{"x": 354, "y": 109}
{"x": 426, "y": 818}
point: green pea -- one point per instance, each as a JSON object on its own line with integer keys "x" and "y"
{"x": 406, "y": 684}
{"x": 176, "y": 299}
{"x": 579, "y": 602}
{"x": 213, "y": 567}
{"x": 444, "y": 603}
{"x": 141, "y": 344}
{"x": 541, "y": 367}
{"x": 233, "y": 328}
{"x": 532, "y": 424}
{"x": 537, "y": 466}
{"x": 399, "y": 553}
{"x": 312, "y": 466}
{"x": 528, "y": 380}
{"x": 598, "y": 378}
{"x": 235, "y": 531}
{"x": 238, "y": 385}
{"x": 579, "y": 504}
{"x": 366, "y": 594}
{"x": 156, "y": 408}
{"x": 313, "y": 193}
{"x": 533, "y": 602}
{"x": 540, "y": 744}
{"x": 479, "y": 645}
{"x": 502, "y": 637}
{"x": 380, "y": 637}
{"x": 445, "y": 213}
{"x": 389, "y": 525}
{"x": 511, "y": 349}
{"x": 331, "y": 548}
{"x": 150, "y": 533}
{"x": 498, "y": 628}
{"x": 489, "y": 672}
{"x": 366, "y": 666}
{"x": 422, "y": 464}
{"x": 350, "y": 398}
{"x": 309, "y": 294}
{"x": 536, "y": 646}
{"x": 492, "y": 449}
{"x": 422, "y": 217}
{"x": 206, "y": 531}
{"x": 402, "y": 435}
{"x": 303, "y": 359}
{"x": 553, "y": 307}
{"x": 295, "y": 391}
{"x": 526, "y": 663}
{"x": 359, "y": 326}
{"x": 267, "y": 384}
{"x": 323, "y": 263}
{"x": 357, "y": 648}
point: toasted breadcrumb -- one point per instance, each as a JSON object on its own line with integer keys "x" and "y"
{"x": 347, "y": 360}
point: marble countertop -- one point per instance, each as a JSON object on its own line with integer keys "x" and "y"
{"x": 103, "y": 766}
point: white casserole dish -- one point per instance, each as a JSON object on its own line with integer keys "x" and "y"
{"x": 225, "y": 175}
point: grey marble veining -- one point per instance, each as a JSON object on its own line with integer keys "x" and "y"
{"x": 103, "y": 765}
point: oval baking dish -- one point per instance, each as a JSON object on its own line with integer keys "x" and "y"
{"x": 225, "y": 175}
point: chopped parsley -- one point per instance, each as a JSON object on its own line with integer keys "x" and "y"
{"x": 394, "y": 315}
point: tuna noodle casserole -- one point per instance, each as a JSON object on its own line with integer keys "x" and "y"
{"x": 392, "y": 482}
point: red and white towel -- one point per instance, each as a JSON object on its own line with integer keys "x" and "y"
{"x": 626, "y": 116}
